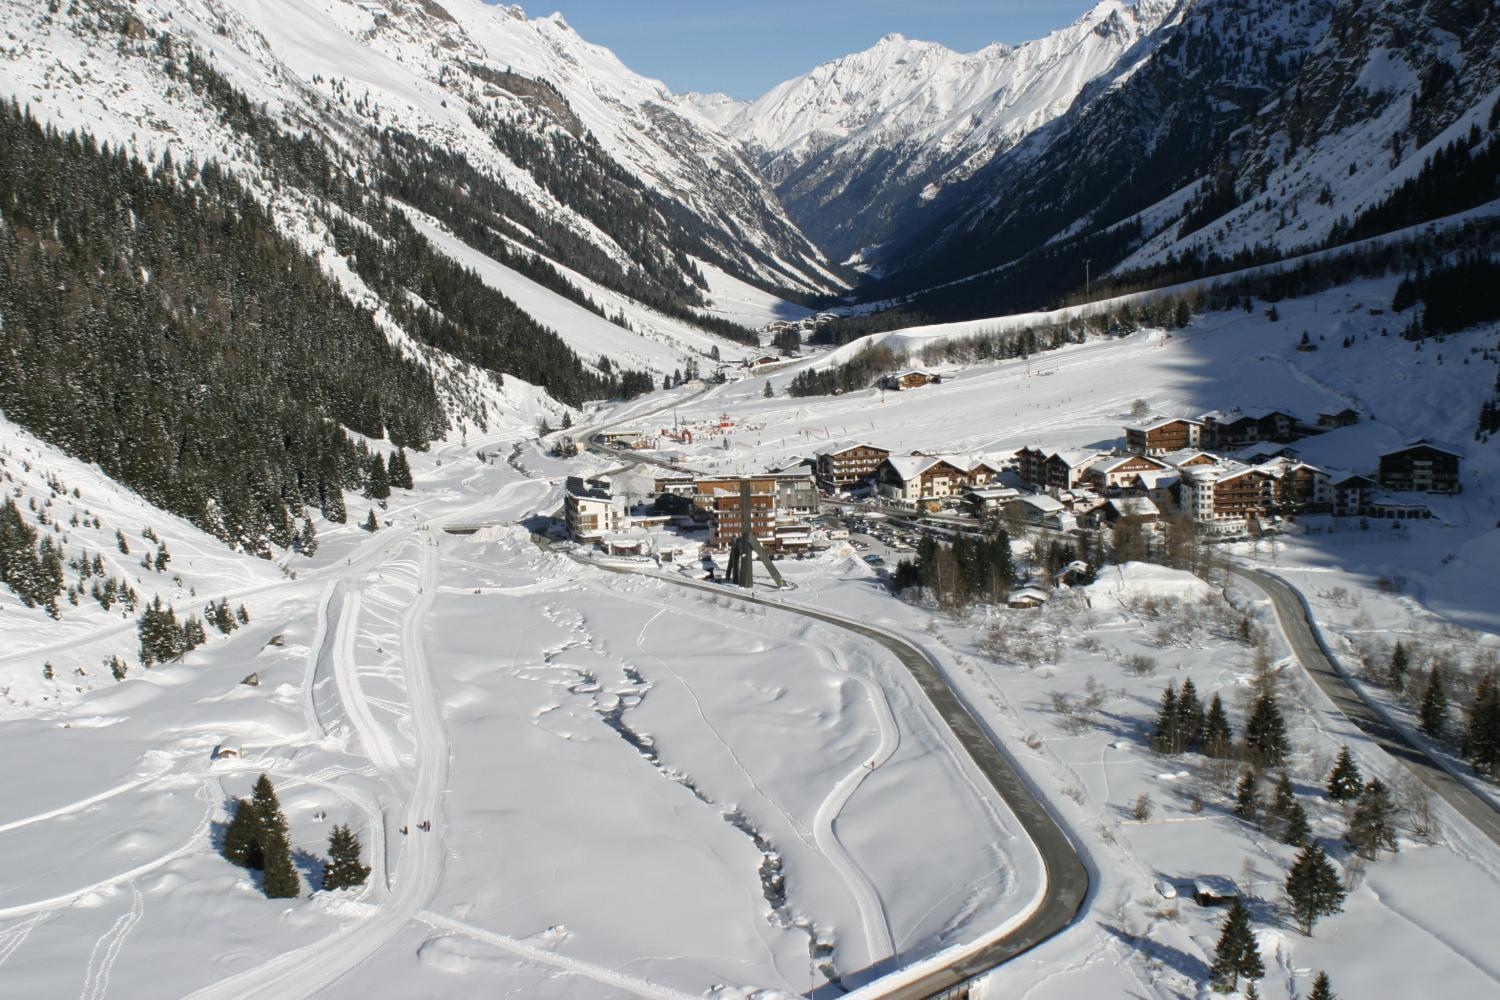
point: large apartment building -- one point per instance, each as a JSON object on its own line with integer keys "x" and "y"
{"x": 1421, "y": 467}
{"x": 848, "y": 465}
{"x": 1163, "y": 434}
{"x": 590, "y": 509}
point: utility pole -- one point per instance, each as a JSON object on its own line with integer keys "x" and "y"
{"x": 1086, "y": 262}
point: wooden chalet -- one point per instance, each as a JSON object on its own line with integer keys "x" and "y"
{"x": 1163, "y": 434}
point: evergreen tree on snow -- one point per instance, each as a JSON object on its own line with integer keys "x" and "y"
{"x": 1265, "y": 732}
{"x": 1236, "y": 954}
{"x": 242, "y": 836}
{"x": 1218, "y": 737}
{"x": 1433, "y": 715}
{"x": 344, "y": 869}
{"x": 280, "y": 880}
{"x": 243, "y": 615}
{"x": 1247, "y": 796}
{"x": 160, "y": 634}
{"x": 377, "y": 478}
{"x": 1295, "y": 828}
{"x": 1190, "y": 719}
{"x": 1313, "y": 888}
{"x": 1345, "y": 782}
{"x": 1371, "y": 826}
{"x": 1396, "y": 672}
{"x": 1164, "y": 736}
{"x": 1322, "y": 988}
{"x": 399, "y": 469}
{"x": 1482, "y": 737}
{"x": 307, "y": 538}
{"x": 1281, "y": 799}
{"x": 371, "y": 524}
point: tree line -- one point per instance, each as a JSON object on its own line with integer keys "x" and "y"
{"x": 158, "y": 324}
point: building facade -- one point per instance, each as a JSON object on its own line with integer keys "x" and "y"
{"x": 849, "y": 465}
{"x": 1163, "y": 435}
{"x": 1421, "y": 467}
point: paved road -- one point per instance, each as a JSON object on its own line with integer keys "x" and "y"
{"x": 1067, "y": 878}
{"x": 1295, "y": 618}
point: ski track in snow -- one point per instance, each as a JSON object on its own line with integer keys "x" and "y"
{"x": 96, "y": 979}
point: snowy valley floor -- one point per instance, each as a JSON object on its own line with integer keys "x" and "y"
{"x": 635, "y": 791}
{"x": 631, "y": 790}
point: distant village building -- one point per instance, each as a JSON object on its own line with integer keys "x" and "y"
{"x": 1122, "y": 471}
{"x": 1057, "y": 470}
{"x": 1131, "y": 510}
{"x": 918, "y": 477}
{"x": 1421, "y": 467}
{"x": 1229, "y": 496}
{"x": 1163, "y": 434}
{"x": 1350, "y": 495}
{"x": 590, "y": 509}
{"x": 1234, "y": 429}
{"x": 1027, "y": 598}
{"x": 909, "y": 379}
{"x": 1339, "y": 418}
{"x": 847, "y": 465}
{"x": 781, "y": 507}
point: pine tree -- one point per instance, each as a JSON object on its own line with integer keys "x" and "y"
{"x": 280, "y": 880}
{"x": 1396, "y": 673}
{"x": 768, "y": 392}
{"x": 1313, "y": 888}
{"x": 1164, "y": 736}
{"x": 1370, "y": 825}
{"x": 1295, "y": 828}
{"x": 1190, "y": 720}
{"x": 399, "y": 469}
{"x": 1322, "y": 988}
{"x": 371, "y": 524}
{"x": 1482, "y": 737}
{"x": 1281, "y": 799}
{"x": 307, "y": 538}
{"x": 1265, "y": 732}
{"x": 1433, "y": 714}
{"x": 1236, "y": 954}
{"x": 1247, "y": 796}
{"x": 344, "y": 869}
{"x": 1218, "y": 737}
{"x": 160, "y": 634}
{"x": 377, "y": 479}
{"x": 1344, "y": 781}
{"x": 242, "y": 836}
{"x": 243, "y": 615}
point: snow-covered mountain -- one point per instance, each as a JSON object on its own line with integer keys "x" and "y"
{"x": 857, "y": 146}
{"x": 663, "y": 192}
{"x": 1239, "y": 128}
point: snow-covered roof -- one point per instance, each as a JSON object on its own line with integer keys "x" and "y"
{"x": 1425, "y": 443}
{"x": 1134, "y": 507}
{"x": 1029, "y": 594}
{"x": 1109, "y": 463}
{"x": 1159, "y": 479}
{"x": 839, "y": 449}
{"x": 1175, "y": 458}
{"x": 1157, "y": 422}
{"x": 1074, "y": 459}
{"x": 1043, "y": 503}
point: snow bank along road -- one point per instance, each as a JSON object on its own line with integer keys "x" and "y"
{"x": 1302, "y": 636}
{"x": 1067, "y": 877}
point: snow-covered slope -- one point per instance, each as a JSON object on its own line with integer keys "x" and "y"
{"x": 856, "y": 143}
{"x": 499, "y": 94}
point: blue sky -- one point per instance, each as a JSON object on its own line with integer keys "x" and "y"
{"x": 744, "y": 47}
